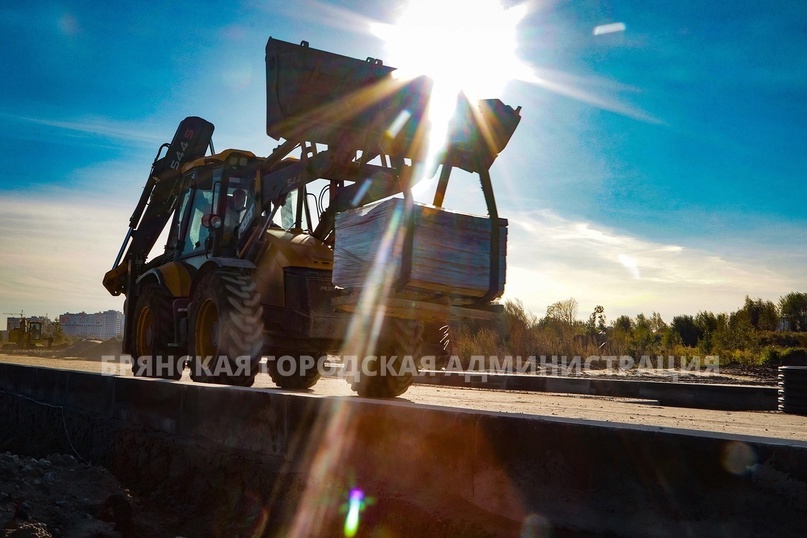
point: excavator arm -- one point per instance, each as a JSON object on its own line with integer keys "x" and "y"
{"x": 157, "y": 201}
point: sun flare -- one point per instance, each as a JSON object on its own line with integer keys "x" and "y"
{"x": 465, "y": 47}
{"x": 468, "y": 46}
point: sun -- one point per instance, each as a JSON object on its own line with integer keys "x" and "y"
{"x": 468, "y": 46}
{"x": 465, "y": 47}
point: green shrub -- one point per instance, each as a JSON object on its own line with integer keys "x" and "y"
{"x": 770, "y": 356}
{"x": 793, "y": 356}
{"x": 482, "y": 342}
{"x": 782, "y": 339}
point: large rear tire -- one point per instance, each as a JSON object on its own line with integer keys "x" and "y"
{"x": 392, "y": 371}
{"x": 226, "y": 328}
{"x": 153, "y": 330}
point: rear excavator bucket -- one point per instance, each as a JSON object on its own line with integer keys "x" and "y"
{"x": 322, "y": 97}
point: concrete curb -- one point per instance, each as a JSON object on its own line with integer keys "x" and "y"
{"x": 299, "y": 451}
{"x": 694, "y": 395}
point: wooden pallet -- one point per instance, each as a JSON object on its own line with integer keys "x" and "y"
{"x": 404, "y": 308}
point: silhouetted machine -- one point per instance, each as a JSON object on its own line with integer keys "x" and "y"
{"x": 318, "y": 248}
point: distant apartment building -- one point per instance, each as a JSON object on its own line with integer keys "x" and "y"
{"x": 103, "y": 325}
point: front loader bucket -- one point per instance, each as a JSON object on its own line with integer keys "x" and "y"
{"x": 478, "y": 133}
{"x": 319, "y": 96}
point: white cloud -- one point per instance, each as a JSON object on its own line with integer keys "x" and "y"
{"x": 55, "y": 253}
{"x": 631, "y": 265}
{"x": 551, "y": 258}
{"x": 138, "y": 132}
{"x": 611, "y": 28}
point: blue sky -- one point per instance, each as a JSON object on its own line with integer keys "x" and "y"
{"x": 656, "y": 168}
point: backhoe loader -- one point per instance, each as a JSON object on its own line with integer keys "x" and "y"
{"x": 247, "y": 270}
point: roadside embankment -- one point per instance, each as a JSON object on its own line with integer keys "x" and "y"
{"x": 266, "y": 462}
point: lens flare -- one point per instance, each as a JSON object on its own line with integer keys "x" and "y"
{"x": 355, "y": 506}
{"x": 468, "y": 47}
{"x": 464, "y": 47}
{"x": 738, "y": 457}
{"x": 366, "y": 323}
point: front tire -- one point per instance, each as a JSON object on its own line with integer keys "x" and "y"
{"x": 153, "y": 331}
{"x": 226, "y": 328}
{"x": 392, "y": 372}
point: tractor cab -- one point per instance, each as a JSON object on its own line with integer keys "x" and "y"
{"x": 216, "y": 207}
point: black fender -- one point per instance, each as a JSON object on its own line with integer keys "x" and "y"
{"x": 213, "y": 264}
{"x": 176, "y": 277}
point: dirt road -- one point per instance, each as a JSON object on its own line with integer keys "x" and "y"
{"x": 594, "y": 409}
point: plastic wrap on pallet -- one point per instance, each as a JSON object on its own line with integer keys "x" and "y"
{"x": 451, "y": 250}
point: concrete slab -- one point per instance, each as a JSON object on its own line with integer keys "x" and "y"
{"x": 693, "y": 395}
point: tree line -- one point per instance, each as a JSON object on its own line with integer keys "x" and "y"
{"x": 758, "y": 332}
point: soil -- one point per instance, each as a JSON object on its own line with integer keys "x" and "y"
{"x": 59, "y": 495}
